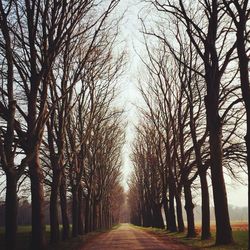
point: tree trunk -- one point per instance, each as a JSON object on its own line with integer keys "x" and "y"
{"x": 247, "y": 139}
{"x": 165, "y": 207}
{"x": 11, "y": 211}
{"x": 105, "y": 217}
{"x": 109, "y": 219}
{"x": 37, "y": 196}
{"x": 64, "y": 209}
{"x": 54, "y": 218}
{"x": 95, "y": 219}
{"x": 189, "y": 206}
{"x": 158, "y": 220}
{"x": 147, "y": 220}
{"x": 80, "y": 212}
{"x": 75, "y": 206}
{"x": 171, "y": 212}
{"x": 205, "y": 206}
{"x": 87, "y": 207}
{"x": 91, "y": 215}
{"x": 100, "y": 216}
{"x": 179, "y": 213}
{"x": 223, "y": 228}
{"x": 245, "y": 88}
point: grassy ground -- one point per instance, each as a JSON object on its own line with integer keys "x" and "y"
{"x": 240, "y": 235}
{"x": 23, "y": 241}
{"x": 74, "y": 243}
{"x": 23, "y": 237}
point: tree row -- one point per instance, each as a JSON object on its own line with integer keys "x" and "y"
{"x": 60, "y": 134}
{"x": 194, "y": 121}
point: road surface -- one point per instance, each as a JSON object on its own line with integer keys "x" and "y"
{"x": 129, "y": 237}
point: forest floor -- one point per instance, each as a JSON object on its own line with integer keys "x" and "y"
{"x": 127, "y": 236}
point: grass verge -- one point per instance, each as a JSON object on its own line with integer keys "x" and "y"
{"x": 23, "y": 239}
{"x": 240, "y": 239}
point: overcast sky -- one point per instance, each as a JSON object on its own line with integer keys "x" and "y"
{"x": 130, "y": 32}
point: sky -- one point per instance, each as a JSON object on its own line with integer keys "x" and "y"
{"x": 130, "y": 97}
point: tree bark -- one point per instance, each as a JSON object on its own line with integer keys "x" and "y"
{"x": 213, "y": 75}
{"x": 64, "y": 209}
{"x": 157, "y": 219}
{"x": 37, "y": 196}
{"x": 95, "y": 219}
{"x": 11, "y": 211}
{"x": 189, "y": 206}
{"x": 147, "y": 220}
{"x": 247, "y": 139}
{"x": 223, "y": 227}
{"x": 80, "y": 212}
{"x": 54, "y": 217}
{"x": 171, "y": 212}
{"x": 87, "y": 207}
{"x": 75, "y": 206}
{"x": 205, "y": 206}
{"x": 245, "y": 88}
{"x": 91, "y": 215}
{"x": 100, "y": 216}
{"x": 179, "y": 212}
{"x": 165, "y": 207}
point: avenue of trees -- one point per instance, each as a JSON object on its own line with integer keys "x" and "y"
{"x": 60, "y": 134}
{"x": 195, "y": 121}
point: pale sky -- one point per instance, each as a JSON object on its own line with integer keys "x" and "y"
{"x": 130, "y": 32}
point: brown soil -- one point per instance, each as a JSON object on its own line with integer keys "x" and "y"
{"x": 129, "y": 237}
{"x": 241, "y": 226}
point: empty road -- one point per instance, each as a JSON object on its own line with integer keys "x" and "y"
{"x": 129, "y": 237}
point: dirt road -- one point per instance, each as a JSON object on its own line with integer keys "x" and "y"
{"x": 129, "y": 237}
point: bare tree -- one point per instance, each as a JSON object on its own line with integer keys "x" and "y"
{"x": 206, "y": 37}
{"x": 240, "y": 14}
{"x": 34, "y": 33}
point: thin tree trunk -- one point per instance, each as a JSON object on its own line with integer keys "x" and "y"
{"x": 54, "y": 217}
{"x": 101, "y": 216}
{"x": 171, "y": 212}
{"x": 97, "y": 219}
{"x": 179, "y": 213}
{"x": 75, "y": 206}
{"x": 189, "y": 206}
{"x": 80, "y": 212}
{"x": 11, "y": 211}
{"x": 37, "y": 196}
{"x": 205, "y": 206}
{"x": 91, "y": 215}
{"x": 95, "y": 215}
{"x": 165, "y": 207}
{"x": 64, "y": 209}
{"x": 87, "y": 207}
{"x": 7, "y": 149}
{"x": 108, "y": 216}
